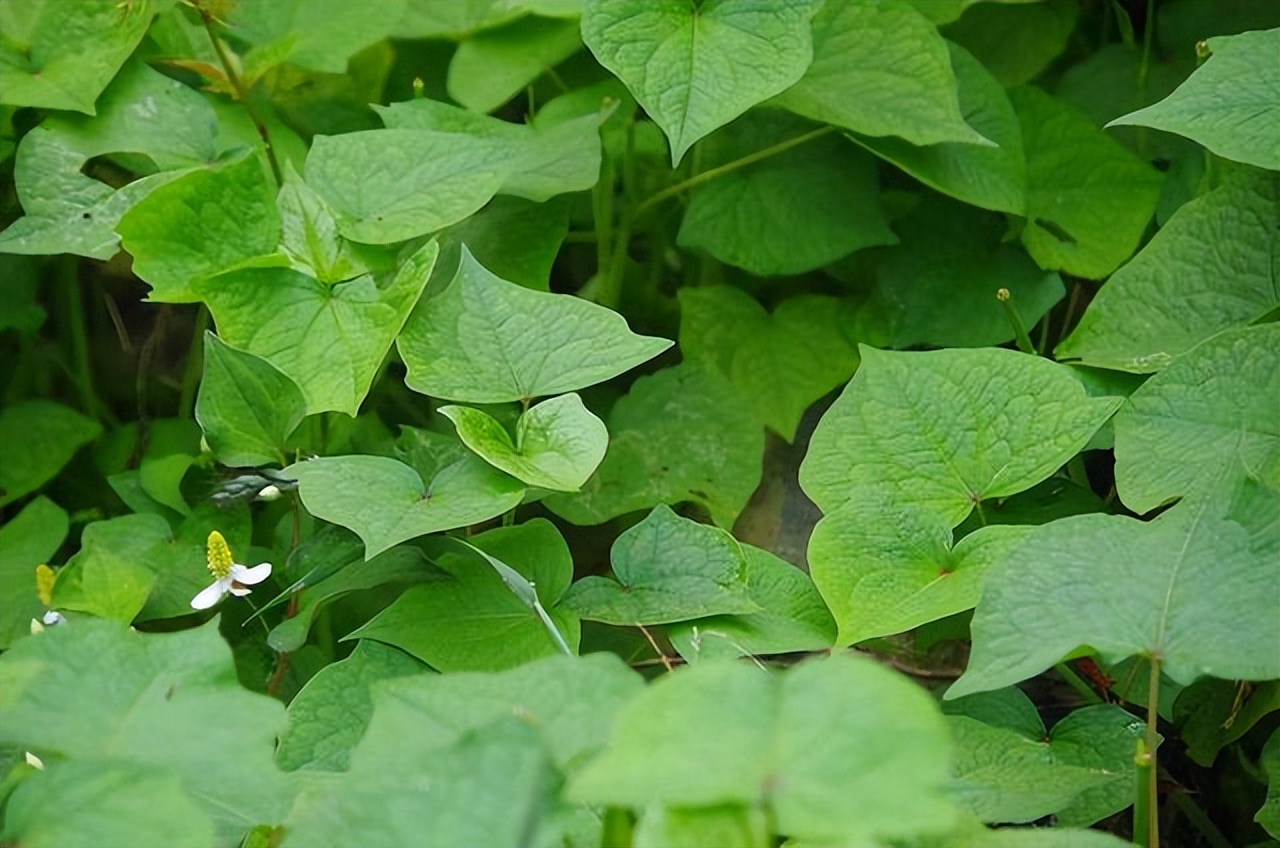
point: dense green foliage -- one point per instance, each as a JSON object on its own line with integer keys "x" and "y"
{"x": 664, "y": 422}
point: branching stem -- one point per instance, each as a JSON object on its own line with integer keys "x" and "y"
{"x": 242, "y": 94}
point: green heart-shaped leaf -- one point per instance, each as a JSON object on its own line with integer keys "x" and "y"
{"x": 558, "y": 442}
{"x": 484, "y": 340}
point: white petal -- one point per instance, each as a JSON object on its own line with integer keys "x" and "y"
{"x": 53, "y": 617}
{"x": 209, "y": 595}
{"x": 250, "y": 576}
{"x": 34, "y": 761}
{"x": 36, "y": 627}
{"x": 269, "y": 493}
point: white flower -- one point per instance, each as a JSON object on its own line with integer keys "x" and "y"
{"x": 228, "y": 576}
{"x": 269, "y": 493}
{"x": 34, "y": 761}
{"x": 53, "y": 617}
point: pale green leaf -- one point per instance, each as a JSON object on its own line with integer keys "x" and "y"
{"x": 330, "y": 340}
{"x": 320, "y": 42}
{"x": 1088, "y": 198}
{"x": 1212, "y": 412}
{"x": 394, "y": 184}
{"x": 331, "y": 713}
{"x": 142, "y": 112}
{"x": 948, "y": 429}
{"x": 667, "y": 568}
{"x": 309, "y": 233}
{"x": 696, "y": 68}
{"x": 1080, "y": 772}
{"x": 200, "y": 224}
{"x": 723, "y": 825}
{"x": 885, "y": 568}
{"x": 990, "y": 177}
{"x": 1195, "y": 587}
{"x": 542, "y": 159}
{"x": 1228, "y": 104}
{"x": 792, "y": 616}
{"x": 811, "y": 743}
{"x": 386, "y": 502}
{"x": 62, "y": 55}
{"x": 92, "y": 802}
{"x": 682, "y": 434}
{"x": 570, "y": 701}
{"x": 881, "y": 69}
{"x": 488, "y": 788}
{"x": 167, "y": 702}
{"x": 38, "y": 438}
{"x": 484, "y": 340}
{"x": 246, "y": 407}
{"x": 781, "y": 362}
{"x": 789, "y": 213}
{"x": 558, "y": 443}
{"x": 473, "y": 621}
{"x": 1212, "y": 267}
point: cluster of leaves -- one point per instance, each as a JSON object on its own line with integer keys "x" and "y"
{"x": 508, "y": 367}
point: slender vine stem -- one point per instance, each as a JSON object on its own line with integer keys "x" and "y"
{"x": 242, "y": 94}
{"x": 730, "y": 167}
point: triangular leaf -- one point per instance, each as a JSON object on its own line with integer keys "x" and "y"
{"x": 484, "y": 340}
{"x": 948, "y": 429}
{"x": 1229, "y": 103}
{"x": 1208, "y": 414}
{"x": 668, "y": 569}
{"x": 386, "y": 502}
{"x": 246, "y": 407}
{"x": 881, "y": 69}
{"x": 558, "y": 442}
{"x": 682, "y": 434}
{"x": 1195, "y": 587}
{"x": 781, "y": 362}
{"x": 695, "y": 69}
{"x": 1212, "y": 267}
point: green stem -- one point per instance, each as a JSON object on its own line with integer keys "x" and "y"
{"x": 1083, "y": 689}
{"x": 1019, "y": 329}
{"x": 242, "y": 94}
{"x": 194, "y": 368}
{"x": 1152, "y": 741}
{"x": 73, "y": 319}
{"x": 730, "y": 167}
{"x": 1143, "y": 760}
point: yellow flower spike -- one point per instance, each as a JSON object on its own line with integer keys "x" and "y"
{"x": 45, "y": 577}
{"x": 219, "y": 555}
{"x": 229, "y": 576}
